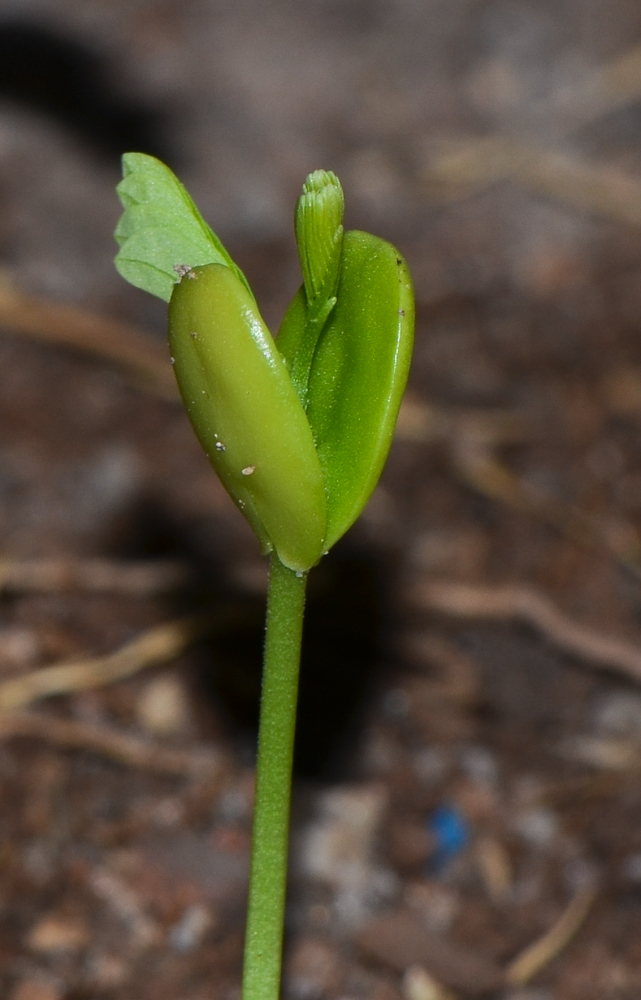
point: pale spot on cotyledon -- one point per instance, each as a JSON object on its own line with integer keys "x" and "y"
{"x": 184, "y": 271}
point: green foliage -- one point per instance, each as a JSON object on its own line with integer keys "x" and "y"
{"x": 358, "y": 373}
{"x": 298, "y": 431}
{"x": 161, "y": 228}
{"x": 319, "y": 234}
{"x": 246, "y": 413}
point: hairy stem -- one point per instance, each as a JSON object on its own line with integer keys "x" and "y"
{"x": 268, "y": 879}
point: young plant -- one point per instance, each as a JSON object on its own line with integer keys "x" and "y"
{"x": 297, "y": 430}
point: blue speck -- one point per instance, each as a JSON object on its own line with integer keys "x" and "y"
{"x": 451, "y": 832}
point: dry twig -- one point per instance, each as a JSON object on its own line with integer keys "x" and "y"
{"x": 108, "y": 742}
{"x": 143, "y": 358}
{"x": 425, "y": 423}
{"x": 418, "y": 984}
{"x": 527, "y": 605}
{"x": 462, "y": 167}
{"x": 478, "y": 467}
{"x": 495, "y": 868}
{"x": 539, "y": 954}
{"x": 473, "y": 437}
{"x": 457, "y": 680}
{"x": 156, "y": 645}
{"x": 466, "y": 165}
{"x": 125, "y": 904}
{"x": 94, "y": 575}
{"x": 615, "y": 85}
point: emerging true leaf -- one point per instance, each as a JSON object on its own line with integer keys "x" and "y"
{"x": 319, "y": 234}
{"x": 161, "y": 229}
{"x": 246, "y": 412}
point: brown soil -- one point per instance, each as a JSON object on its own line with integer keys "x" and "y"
{"x": 516, "y": 463}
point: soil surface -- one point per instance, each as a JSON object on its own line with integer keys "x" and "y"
{"x": 467, "y": 767}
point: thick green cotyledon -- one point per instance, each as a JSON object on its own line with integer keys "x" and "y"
{"x": 358, "y": 373}
{"x": 246, "y": 413}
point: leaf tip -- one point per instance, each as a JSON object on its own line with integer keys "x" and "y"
{"x": 319, "y": 233}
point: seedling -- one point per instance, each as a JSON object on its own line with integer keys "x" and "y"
{"x": 297, "y": 430}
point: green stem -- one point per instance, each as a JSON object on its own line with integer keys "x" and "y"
{"x": 268, "y": 879}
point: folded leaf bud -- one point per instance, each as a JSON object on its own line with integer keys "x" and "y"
{"x": 319, "y": 233}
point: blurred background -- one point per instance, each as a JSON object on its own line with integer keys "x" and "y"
{"x": 467, "y": 767}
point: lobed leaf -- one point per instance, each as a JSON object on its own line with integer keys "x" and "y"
{"x": 161, "y": 228}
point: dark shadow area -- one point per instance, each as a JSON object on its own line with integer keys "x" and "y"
{"x": 63, "y": 78}
{"x": 343, "y": 646}
{"x": 149, "y": 530}
{"x": 343, "y": 649}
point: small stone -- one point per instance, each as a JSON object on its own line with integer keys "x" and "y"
{"x": 54, "y": 933}
{"x": 341, "y": 840}
{"x": 338, "y": 848}
{"x": 419, "y": 985}
{"x": 538, "y": 826}
{"x": 162, "y": 707}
